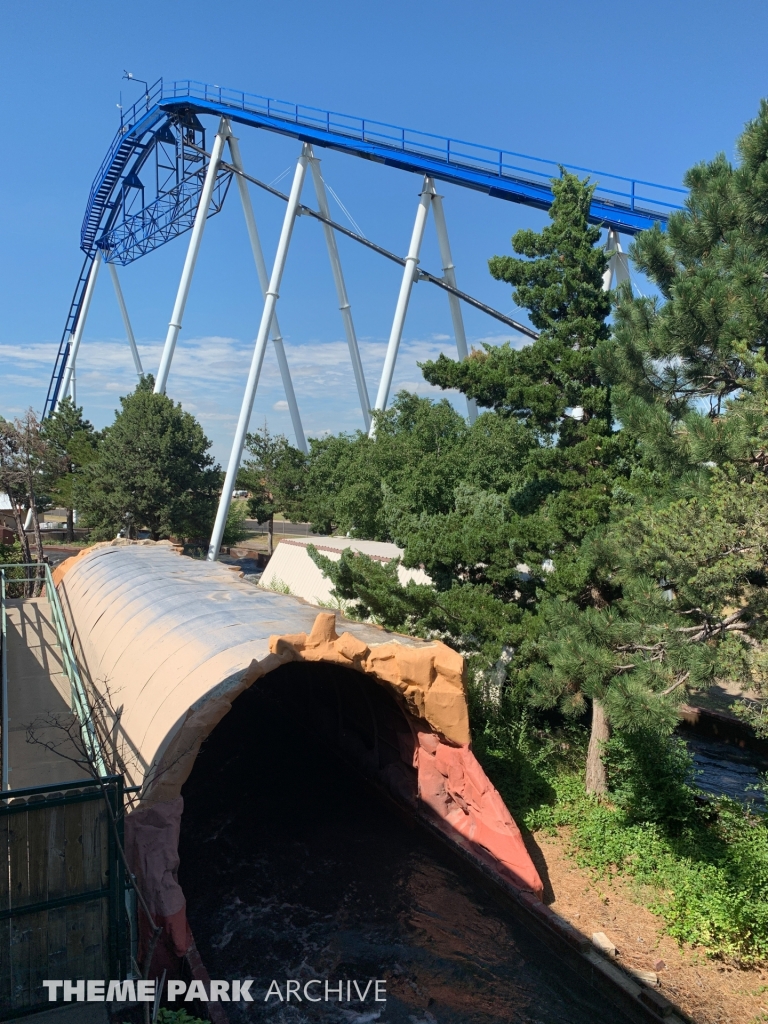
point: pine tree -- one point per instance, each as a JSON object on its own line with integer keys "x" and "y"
{"x": 274, "y": 476}
{"x": 691, "y": 385}
{"x": 606, "y": 551}
{"x": 153, "y": 472}
{"x": 705, "y": 339}
{"x": 514, "y": 557}
{"x": 73, "y": 444}
{"x": 552, "y": 386}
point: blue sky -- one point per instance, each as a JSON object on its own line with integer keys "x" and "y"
{"x": 642, "y": 89}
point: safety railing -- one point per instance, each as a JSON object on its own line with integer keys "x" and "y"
{"x": 40, "y": 573}
{"x": 633, "y": 194}
{"x": 503, "y": 163}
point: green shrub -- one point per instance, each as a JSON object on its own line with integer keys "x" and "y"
{"x": 11, "y": 556}
{"x": 650, "y": 778}
{"x": 702, "y": 866}
{"x": 235, "y": 530}
{"x": 180, "y": 1016}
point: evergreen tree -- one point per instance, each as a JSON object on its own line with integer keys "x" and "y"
{"x": 73, "y": 444}
{"x": 354, "y": 482}
{"x": 514, "y": 555}
{"x": 25, "y": 461}
{"x": 552, "y": 386}
{"x": 153, "y": 472}
{"x": 691, "y": 385}
{"x": 705, "y": 338}
{"x": 554, "y": 389}
{"x": 274, "y": 475}
{"x": 613, "y": 559}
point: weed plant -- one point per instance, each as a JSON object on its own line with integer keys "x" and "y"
{"x": 699, "y": 863}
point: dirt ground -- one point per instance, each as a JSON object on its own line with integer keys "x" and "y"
{"x": 708, "y": 991}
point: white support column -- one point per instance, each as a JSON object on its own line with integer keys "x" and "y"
{"x": 341, "y": 291}
{"x": 449, "y": 276}
{"x": 267, "y": 315}
{"x": 261, "y": 270}
{"x": 77, "y": 334}
{"x": 617, "y": 271}
{"x": 189, "y": 263}
{"x": 126, "y": 320}
{"x": 409, "y": 276}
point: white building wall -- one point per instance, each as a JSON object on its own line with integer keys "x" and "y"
{"x": 290, "y": 570}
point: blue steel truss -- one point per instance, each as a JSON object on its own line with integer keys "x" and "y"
{"x": 171, "y": 214}
{"x": 125, "y": 226}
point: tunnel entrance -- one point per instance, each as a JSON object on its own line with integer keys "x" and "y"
{"x": 295, "y": 867}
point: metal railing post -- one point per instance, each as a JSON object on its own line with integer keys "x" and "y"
{"x": 79, "y": 696}
{"x": 4, "y": 640}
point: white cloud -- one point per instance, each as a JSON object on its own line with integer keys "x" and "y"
{"x": 208, "y": 376}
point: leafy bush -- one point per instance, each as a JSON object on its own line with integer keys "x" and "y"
{"x": 512, "y": 752}
{"x": 702, "y": 866}
{"x": 11, "y": 556}
{"x": 166, "y": 1016}
{"x": 649, "y": 777}
{"x": 234, "y": 529}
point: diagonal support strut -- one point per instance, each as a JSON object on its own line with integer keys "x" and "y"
{"x": 270, "y": 302}
{"x": 261, "y": 270}
{"x": 126, "y": 319}
{"x": 406, "y": 286}
{"x": 341, "y": 290}
{"x": 192, "y": 251}
{"x": 449, "y": 273}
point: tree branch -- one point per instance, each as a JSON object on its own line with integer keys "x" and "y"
{"x": 670, "y": 689}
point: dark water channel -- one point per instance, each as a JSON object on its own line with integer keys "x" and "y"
{"x": 724, "y": 769}
{"x": 295, "y": 868}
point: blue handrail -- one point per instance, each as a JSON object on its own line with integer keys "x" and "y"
{"x": 628, "y": 204}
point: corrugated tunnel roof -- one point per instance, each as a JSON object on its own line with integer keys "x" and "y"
{"x": 161, "y": 637}
{"x": 166, "y": 644}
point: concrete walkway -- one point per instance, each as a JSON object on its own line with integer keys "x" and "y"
{"x": 38, "y": 699}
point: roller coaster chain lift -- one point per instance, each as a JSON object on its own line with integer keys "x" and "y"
{"x": 163, "y": 175}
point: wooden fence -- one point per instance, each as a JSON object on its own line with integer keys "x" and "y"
{"x": 62, "y": 890}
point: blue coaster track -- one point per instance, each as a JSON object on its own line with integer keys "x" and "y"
{"x": 160, "y": 140}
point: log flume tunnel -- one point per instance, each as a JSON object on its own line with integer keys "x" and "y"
{"x": 308, "y": 803}
{"x": 295, "y": 867}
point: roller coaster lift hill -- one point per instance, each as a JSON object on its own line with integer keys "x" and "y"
{"x": 160, "y": 178}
